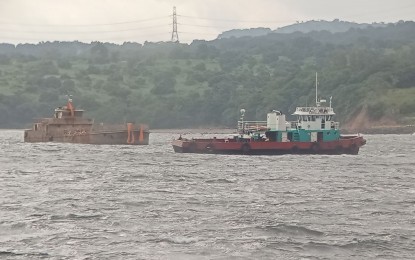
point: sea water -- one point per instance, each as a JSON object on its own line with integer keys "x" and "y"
{"x": 75, "y": 201}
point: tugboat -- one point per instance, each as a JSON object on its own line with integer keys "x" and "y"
{"x": 69, "y": 126}
{"x": 314, "y": 132}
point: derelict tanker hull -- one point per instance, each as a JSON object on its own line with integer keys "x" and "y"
{"x": 69, "y": 126}
{"x": 102, "y": 138}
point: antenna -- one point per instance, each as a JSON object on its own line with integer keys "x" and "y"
{"x": 242, "y": 114}
{"x": 241, "y": 124}
{"x": 174, "y": 34}
{"x": 316, "y": 89}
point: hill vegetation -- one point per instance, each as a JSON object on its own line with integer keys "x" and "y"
{"x": 334, "y": 26}
{"x": 370, "y": 73}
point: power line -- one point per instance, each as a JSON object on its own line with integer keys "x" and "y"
{"x": 87, "y": 32}
{"x": 239, "y": 21}
{"x": 84, "y": 25}
{"x": 189, "y": 21}
{"x": 196, "y": 25}
{"x": 207, "y": 26}
{"x": 128, "y": 37}
{"x": 199, "y": 33}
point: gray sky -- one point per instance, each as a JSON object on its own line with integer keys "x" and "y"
{"x": 119, "y": 21}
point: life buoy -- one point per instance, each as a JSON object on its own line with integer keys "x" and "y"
{"x": 295, "y": 150}
{"x": 210, "y": 148}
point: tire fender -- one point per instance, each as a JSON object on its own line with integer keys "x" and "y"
{"x": 315, "y": 147}
{"x": 245, "y": 148}
{"x": 210, "y": 147}
{"x": 295, "y": 149}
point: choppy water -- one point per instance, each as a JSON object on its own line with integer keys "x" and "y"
{"x": 66, "y": 201}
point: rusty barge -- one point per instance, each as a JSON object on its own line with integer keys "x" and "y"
{"x": 69, "y": 126}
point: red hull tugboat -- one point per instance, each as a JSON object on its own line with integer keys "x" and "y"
{"x": 314, "y": 132}
{"x": 69, "y": 126}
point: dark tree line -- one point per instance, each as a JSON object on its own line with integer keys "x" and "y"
{"x": 206, "y": 83}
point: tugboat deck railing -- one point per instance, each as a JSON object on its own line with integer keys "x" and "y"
{"x": 252, "y": 126}
{"x": 260, "y": 126}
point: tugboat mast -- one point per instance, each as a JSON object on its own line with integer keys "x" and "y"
{"x": 317, "y": 103}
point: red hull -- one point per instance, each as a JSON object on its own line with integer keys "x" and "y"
{"x": 345, "y": 145}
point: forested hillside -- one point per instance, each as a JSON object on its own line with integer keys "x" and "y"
{"x": 334, "y": 26}
{"x": 370, "y": 73}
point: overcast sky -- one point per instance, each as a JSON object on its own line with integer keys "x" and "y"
{"x": 121, "y": 21}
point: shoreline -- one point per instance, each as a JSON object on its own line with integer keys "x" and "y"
{"x": 370, "y": 131}
{"x": 409, "y": 129}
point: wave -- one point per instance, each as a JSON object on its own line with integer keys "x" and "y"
{"x": 176, "y": 240}
{"x": 29, "y": 255}
{"x": 75, "y": 216}
{"x": 221, "y": 180}
{"x": 293, "y": 230}
{"x": 367, "y": 243}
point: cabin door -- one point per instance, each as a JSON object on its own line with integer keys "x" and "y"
{"x": 290, "y": 137}
{"x": 313, "y": 136}
{"x": 284, "y": 137}
{"x": 320, "y": 137}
